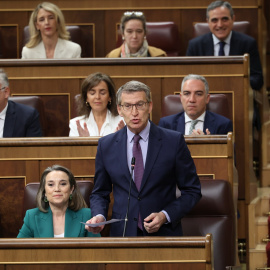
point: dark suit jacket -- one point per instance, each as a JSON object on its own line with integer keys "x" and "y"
{"x": 168, "y": 163}
{"x": 39, "y": 224}
{"x": 21, "y": 121}
{"x": 240, "y": 44}
{"x": 217, "y": 124}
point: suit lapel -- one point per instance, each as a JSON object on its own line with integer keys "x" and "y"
{"x": 180, "y": 123}
{"x": 44, "y": 224}
{"x": 234, "y": 45}
{"x": 154, "y": 146}
{"x": 72, "y": 223}
{"x": 121, "y": 146}
{"x": 209, "y": 122}
{"x": 209, "y": 46}
{"x": 59, "y": 49}
{"x": 9, "y": 120}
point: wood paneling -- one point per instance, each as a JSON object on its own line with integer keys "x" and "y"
{"x": 110, "y": 253}
{"x": 106, "y": 14}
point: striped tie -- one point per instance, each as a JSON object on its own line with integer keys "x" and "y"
{"x": 192, "y": 126}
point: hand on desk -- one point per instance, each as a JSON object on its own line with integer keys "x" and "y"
{"x": 94, "y": 220}
{"x": 154, "y": 221}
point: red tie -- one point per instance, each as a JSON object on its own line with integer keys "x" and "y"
{"x": 138, "y": 169}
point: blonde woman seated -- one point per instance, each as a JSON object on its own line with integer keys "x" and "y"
{"x": 97, "y": 108}
{"x": 133, "y": 28}
{"x": 61, "y": 208}
{"x": 48, "y": 35}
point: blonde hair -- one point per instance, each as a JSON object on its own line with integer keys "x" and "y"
{"x": 35, "y": 36}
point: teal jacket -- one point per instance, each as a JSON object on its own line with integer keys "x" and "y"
{"x": 40, "y": 224}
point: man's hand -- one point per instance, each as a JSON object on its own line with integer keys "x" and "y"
{"x": 154, "y": 221}
{"x": 94, "y": 220}
{"x": 83, "y": 132}
{"x": 200, "y": 132}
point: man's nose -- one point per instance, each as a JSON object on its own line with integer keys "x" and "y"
{"x": 219, "y": 23}
{"x": 192, "y": 98}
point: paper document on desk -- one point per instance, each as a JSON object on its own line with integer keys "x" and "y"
{"x": 102, "y": 223}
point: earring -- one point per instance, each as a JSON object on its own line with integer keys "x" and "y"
{"x": 70, "y": 197}
{"x": 45, "y": 199}
{"x": 123, "y": 38}
{"x": 109, "y": 102}
{"x": 87, "y": 104}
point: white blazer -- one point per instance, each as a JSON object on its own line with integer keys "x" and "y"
{"x": 64, "y": 49}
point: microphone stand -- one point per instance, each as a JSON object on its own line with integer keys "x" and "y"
{"x": 126, "y": 218}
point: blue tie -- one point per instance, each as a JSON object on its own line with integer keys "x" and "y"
{"x": 221, "y": 48}
{"x": 138, "y": 169}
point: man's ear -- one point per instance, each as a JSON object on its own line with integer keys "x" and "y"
{"x": 207, "y": 98}
{"x": 119, "y": 110}
{"x": 7, "y": 92}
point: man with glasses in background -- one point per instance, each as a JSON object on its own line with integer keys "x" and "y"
{"x": 146, "y": 196}
{"x": 16, "y": 120}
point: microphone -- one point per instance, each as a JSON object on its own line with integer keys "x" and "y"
{"x": 126, "y": 218}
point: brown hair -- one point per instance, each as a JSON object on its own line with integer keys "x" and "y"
{"x": 91, "y": 81}
{"x": 133, "y": 15}
{"x": 77, "y": 201}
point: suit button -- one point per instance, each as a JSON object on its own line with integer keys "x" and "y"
{"x": 135, "y": 219}
{"x": 139, "y": 198}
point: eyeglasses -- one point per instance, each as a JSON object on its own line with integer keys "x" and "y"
{"x": 139, "y": 106}
{"x": 136, "y": 13}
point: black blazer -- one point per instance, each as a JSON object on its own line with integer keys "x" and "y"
{"x": 240, "y": 44}
{"x": 21, "y": 121}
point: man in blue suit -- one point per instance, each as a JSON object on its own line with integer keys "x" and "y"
{"x": 220, "y": 18}
{"x": 165, "y": 163}
{"x": 16, "y": 120}
{"x": 194, "y": 97}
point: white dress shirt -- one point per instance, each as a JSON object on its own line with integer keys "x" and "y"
{"x": 226, "y": 46}
{"x": 2, "y": 120}
{"x": 109, "y": 126}
{"x": 199, "y": 125}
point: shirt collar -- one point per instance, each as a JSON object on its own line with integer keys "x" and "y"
{"x": 200, "y": 118}
{"x": 227, "y": 40}
{"x": 3, "y": 113}
{"x": 144, "y": 133}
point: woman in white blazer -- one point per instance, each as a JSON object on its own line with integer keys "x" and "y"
{"x": 48, "y": 35}
{"x": 97, "y": 108}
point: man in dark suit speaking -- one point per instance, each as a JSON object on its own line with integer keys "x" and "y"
{"x": 16, "y": 120}
{"x": 162, "y": 161}
{"x": 195, "y": 119}
{"x": 222, "y": 41}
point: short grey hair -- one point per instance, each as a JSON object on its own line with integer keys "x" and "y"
{"x": 3, "y": 78}
{"x": 131, "y": 87}
{"x": 217, "y": 4}
{"x": 196, "y": 77}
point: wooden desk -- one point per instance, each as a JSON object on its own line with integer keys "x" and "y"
{"x": 146, "y": 253}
